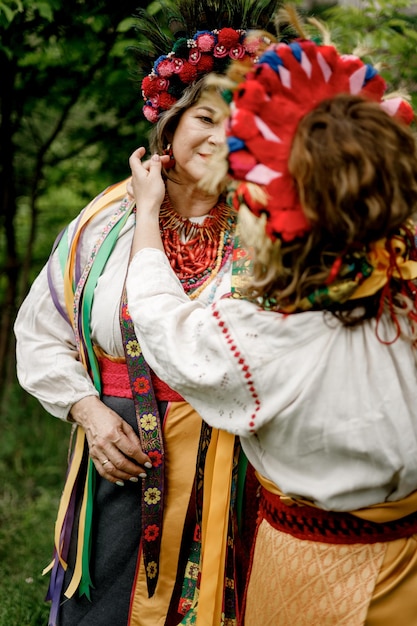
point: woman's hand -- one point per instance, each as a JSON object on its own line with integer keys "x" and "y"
{"x": 113, "y": 444}
{"x": 148, "y": 189}
{"x": 147, "y": 185}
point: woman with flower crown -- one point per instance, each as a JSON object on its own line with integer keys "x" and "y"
{"x": 312, "y": 361}
{"x": 154, "y": 499}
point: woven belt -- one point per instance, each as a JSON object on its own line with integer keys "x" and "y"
{"x": 308, "y": 522}
{"x": 115, "y": 382}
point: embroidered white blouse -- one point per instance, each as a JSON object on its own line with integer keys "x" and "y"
{"x": 48, "y": 366}
{"x": 326, "y": 412}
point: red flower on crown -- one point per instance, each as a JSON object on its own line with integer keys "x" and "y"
{"x": 191, "y": 59}
{"x": 205, "y": 41}
{"x": 165, "y": 100}
{"x": 228, "y": 37}
{"x": 187, "y": 72}
{"x": 205, "y": 64}
{"x": 165, "y": 67}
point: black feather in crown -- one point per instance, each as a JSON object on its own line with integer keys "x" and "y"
{"x": 183, "y": 18}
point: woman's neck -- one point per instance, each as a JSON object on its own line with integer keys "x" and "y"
{"x": 190, "y": 201}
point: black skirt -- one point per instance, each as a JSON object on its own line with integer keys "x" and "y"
{"x": 116, "y": 536}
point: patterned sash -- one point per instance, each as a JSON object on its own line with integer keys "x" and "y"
{"x": 150, "y": 433}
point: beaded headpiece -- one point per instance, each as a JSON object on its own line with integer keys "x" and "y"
{"x": 289, "y": 81}
{"x": 192, "y": 38}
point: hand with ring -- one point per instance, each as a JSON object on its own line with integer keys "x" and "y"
{"x": 113, "y": 444}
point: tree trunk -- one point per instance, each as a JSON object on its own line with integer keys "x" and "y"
{"x": 9, "y": 269}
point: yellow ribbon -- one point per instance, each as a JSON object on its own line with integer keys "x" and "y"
{"x": 110, "y": 195}
{"x": 217, "y": 484}
{"x": 66, "y": 496}
{"x": 76, "y": 577}
{"x": 116, "y": 192}
{"x": 381, "y": 260}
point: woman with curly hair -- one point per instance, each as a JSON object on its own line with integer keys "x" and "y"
{"x": 312, "y": 359}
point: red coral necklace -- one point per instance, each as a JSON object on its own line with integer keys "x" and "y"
{"x": 196, "y": 251}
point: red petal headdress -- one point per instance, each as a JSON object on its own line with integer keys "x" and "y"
{"x": 289, "y": 81}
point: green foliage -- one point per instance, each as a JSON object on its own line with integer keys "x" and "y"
{"x": 383, "y": 33}
{"x": 75, "y": 109}
{"x": 8, "y": 11}
{"x": 33, "y": 451}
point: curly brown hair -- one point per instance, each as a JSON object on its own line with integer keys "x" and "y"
{"x": 355, "y": 170}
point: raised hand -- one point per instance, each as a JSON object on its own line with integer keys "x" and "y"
{"x": 148, "y": 189}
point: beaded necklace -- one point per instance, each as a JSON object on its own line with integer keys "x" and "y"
{"x": 197, "y": 251}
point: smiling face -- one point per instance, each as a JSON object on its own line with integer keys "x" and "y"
{"x": 200, "y": 131}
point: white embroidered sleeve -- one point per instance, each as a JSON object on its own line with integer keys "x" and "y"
{"x": 48, "y": 365}
{"x": 188, "y": 346}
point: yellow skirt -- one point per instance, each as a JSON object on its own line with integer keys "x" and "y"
{"x": 181, "y": 440}
{"x": 181, "y": 437}
{"x": 298, "y": 582}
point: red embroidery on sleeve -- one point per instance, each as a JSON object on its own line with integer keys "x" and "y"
{"x": 242, "y": 366}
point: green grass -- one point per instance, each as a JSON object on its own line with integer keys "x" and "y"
{"x": 33, "y": 451}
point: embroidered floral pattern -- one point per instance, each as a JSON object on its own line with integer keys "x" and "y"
{"x": 150, "y": 434}
{"x": 191, "y": 581}
{"x": 156, "y": 458}
{"x": 192, "y": 570}
{"x": 185, "y": 605}
{"x": 133, "y": 348}
{"x": 125, "y": 313}
{"x": 152, "y": 569}
{"x": 151, "y": 532}
{"x": 141, "y": 385}
{"x": 152, "y": 496}
{"x": 148, "y": 421}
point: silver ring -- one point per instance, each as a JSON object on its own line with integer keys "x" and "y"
{"x": 106, "y": 461}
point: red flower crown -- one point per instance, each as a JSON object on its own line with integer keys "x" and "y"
{"x": 189, "y": 60}
{"x": 288, "y": 81}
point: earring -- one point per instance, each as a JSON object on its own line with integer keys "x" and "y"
{"x": 171, "y": 162}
